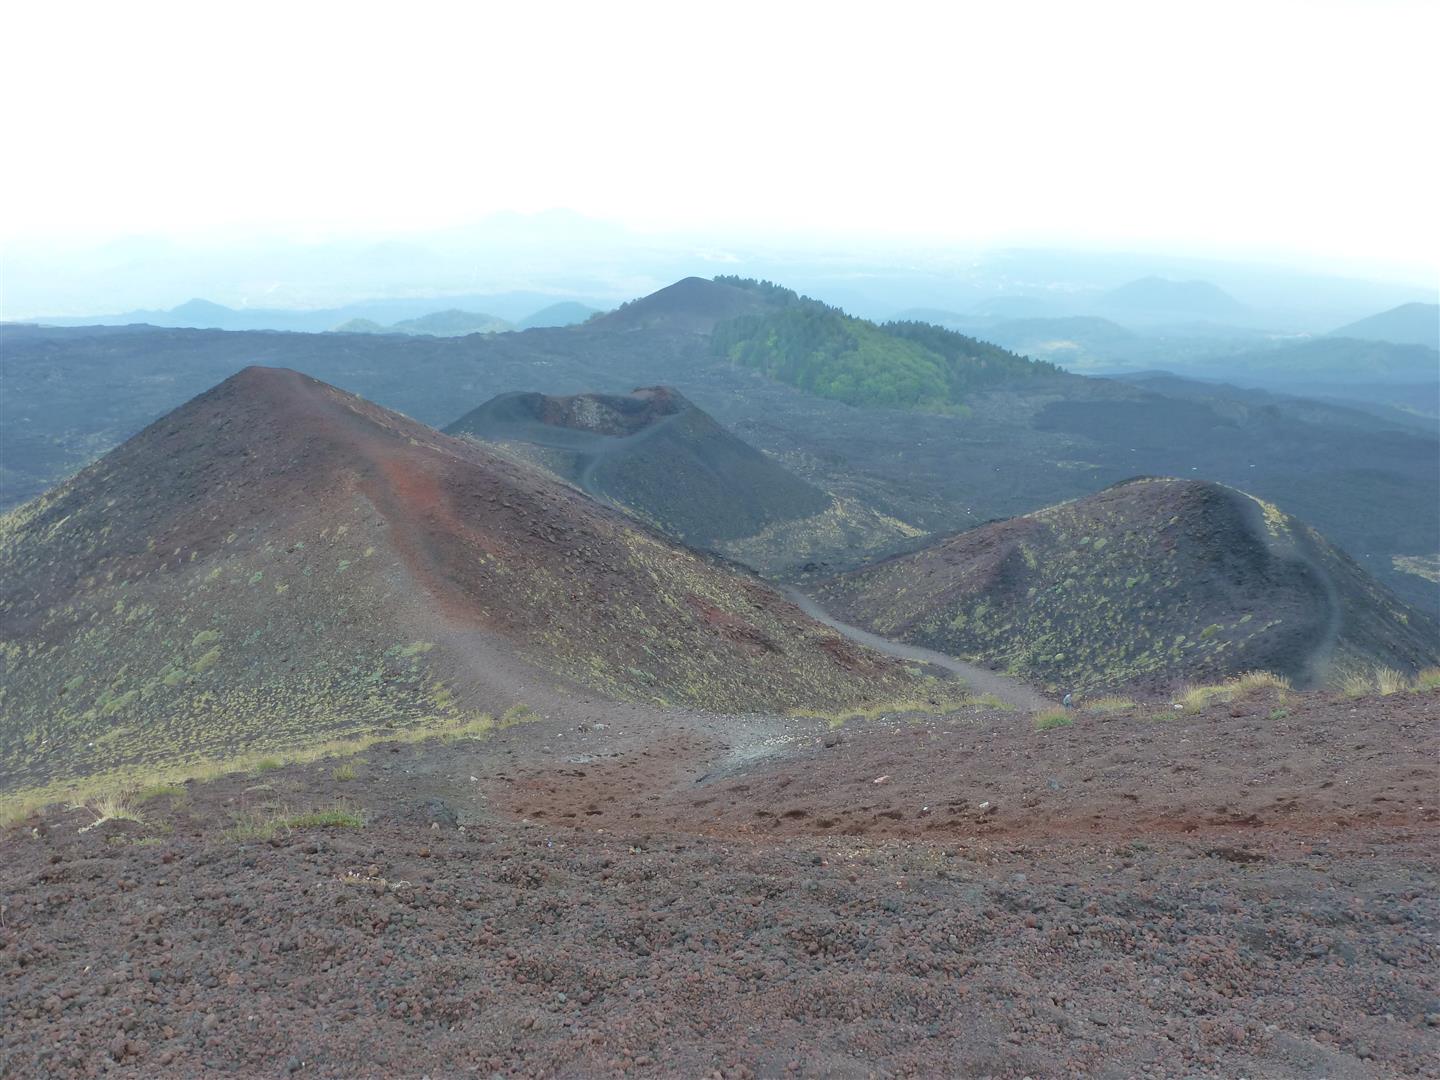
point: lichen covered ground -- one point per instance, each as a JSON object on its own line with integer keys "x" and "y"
{"x": 1151, "y": 581}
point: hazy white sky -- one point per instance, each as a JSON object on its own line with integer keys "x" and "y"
{"x": 1261, "y": 126}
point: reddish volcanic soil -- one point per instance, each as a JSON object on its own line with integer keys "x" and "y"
{"x": 620, "y": 892}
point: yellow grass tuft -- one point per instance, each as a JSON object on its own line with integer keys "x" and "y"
{"x": 1385, "y": 681}
{"x": 1355, "y": 685}
{"x": 1389, "y": 681}
{"x": 990, "y": 701}
{"x": 1260, "y": 680}
{"x": 19, "y": 805}
{"x": 255, "y": 825}
{"x": 1194, "y": 698}
{"x": 897, "y": 707}
{"x": 1109, "y": 705}
{"x": 1053, "y": 718}
{"x": 14, "y": 811}
{"x": 112, "y": 806}
{"x": 159, "y": 791}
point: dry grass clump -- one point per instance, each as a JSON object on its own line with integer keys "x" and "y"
{"x": 884, "y": 710}
{"x": 1385, "y": 681}
{"x": 344, "y": 772}
{"x": 990, "y": 701}
{"x": 13, "y": 811}
{"x": 1053, "y": 718}
{"x": 260, "y": 825}
{"x": 160, "y": 791}
{"x": 1195, "y": 698}
{"x": 1389, "y": 681}
{"x": 114, "y": 806}
{"x": 1110, "y": 704}
{"x": 1259, "y": 680}
{"x": 18, "y": 806}
{"x": 515, "y": 714}
{"x": 1355, "y": 685}
{"x": 338, "y": 817}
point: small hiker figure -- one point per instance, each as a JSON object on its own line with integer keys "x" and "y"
{"x": 1066, "y": 702}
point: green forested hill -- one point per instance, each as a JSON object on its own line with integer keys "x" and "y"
{"x": 822, "y": 350}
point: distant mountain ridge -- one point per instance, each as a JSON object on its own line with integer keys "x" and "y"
{"x": 692, "y": 304}
{"x": 565, "y": 313}
{"x": 452, "y": 323}
{"x": 521, "y": 308}
{"x": 1143, "y": 303}
{"x": 1408, "y": 324}
{"x": 1160, "y": 300}
{"x": 1329, "y": 359}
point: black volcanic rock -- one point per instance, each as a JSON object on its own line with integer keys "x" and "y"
{"x": 655, "y": 455}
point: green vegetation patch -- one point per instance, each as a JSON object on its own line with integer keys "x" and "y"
{"x": 159, "y": 791}
{"x": 903, "y": 365}
{"x": 1422, "y": 566}
{"x": 1052, "y": 719}
{"x": 257, "y": 824}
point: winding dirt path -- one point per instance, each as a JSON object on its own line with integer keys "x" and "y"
{"x": 1011, "y": 691}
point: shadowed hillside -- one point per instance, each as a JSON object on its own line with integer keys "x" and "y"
{"x": 565, "y": 313}
{"x": 453, "y": 323}
{"x": 278, "y": 560}
{"x": 1335, "y": 359}
{"x": 1149, "y": 581}
{"x": 1408, "y": 324}
{"x": 656, "y": 456}
{"x": 1156, "y": 299}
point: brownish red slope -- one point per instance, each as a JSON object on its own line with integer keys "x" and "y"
{"x": 279, "y": 559}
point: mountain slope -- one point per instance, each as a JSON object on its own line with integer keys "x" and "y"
{"x": 278, "y": 561}
{"x": 910, "y": 365}
{"x": 1333, "y": 359}
{"x": 655, "y": 455}
{"x": 1160, "y": 300}
{"x": 1408, "y": 324}
{"x": 692, "y": 304}
{"x": 453, "y": 323}
{"x": 1009, "y": 448}
{"x": 1153, "y": 581}
{"x": 565, "y": 313}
